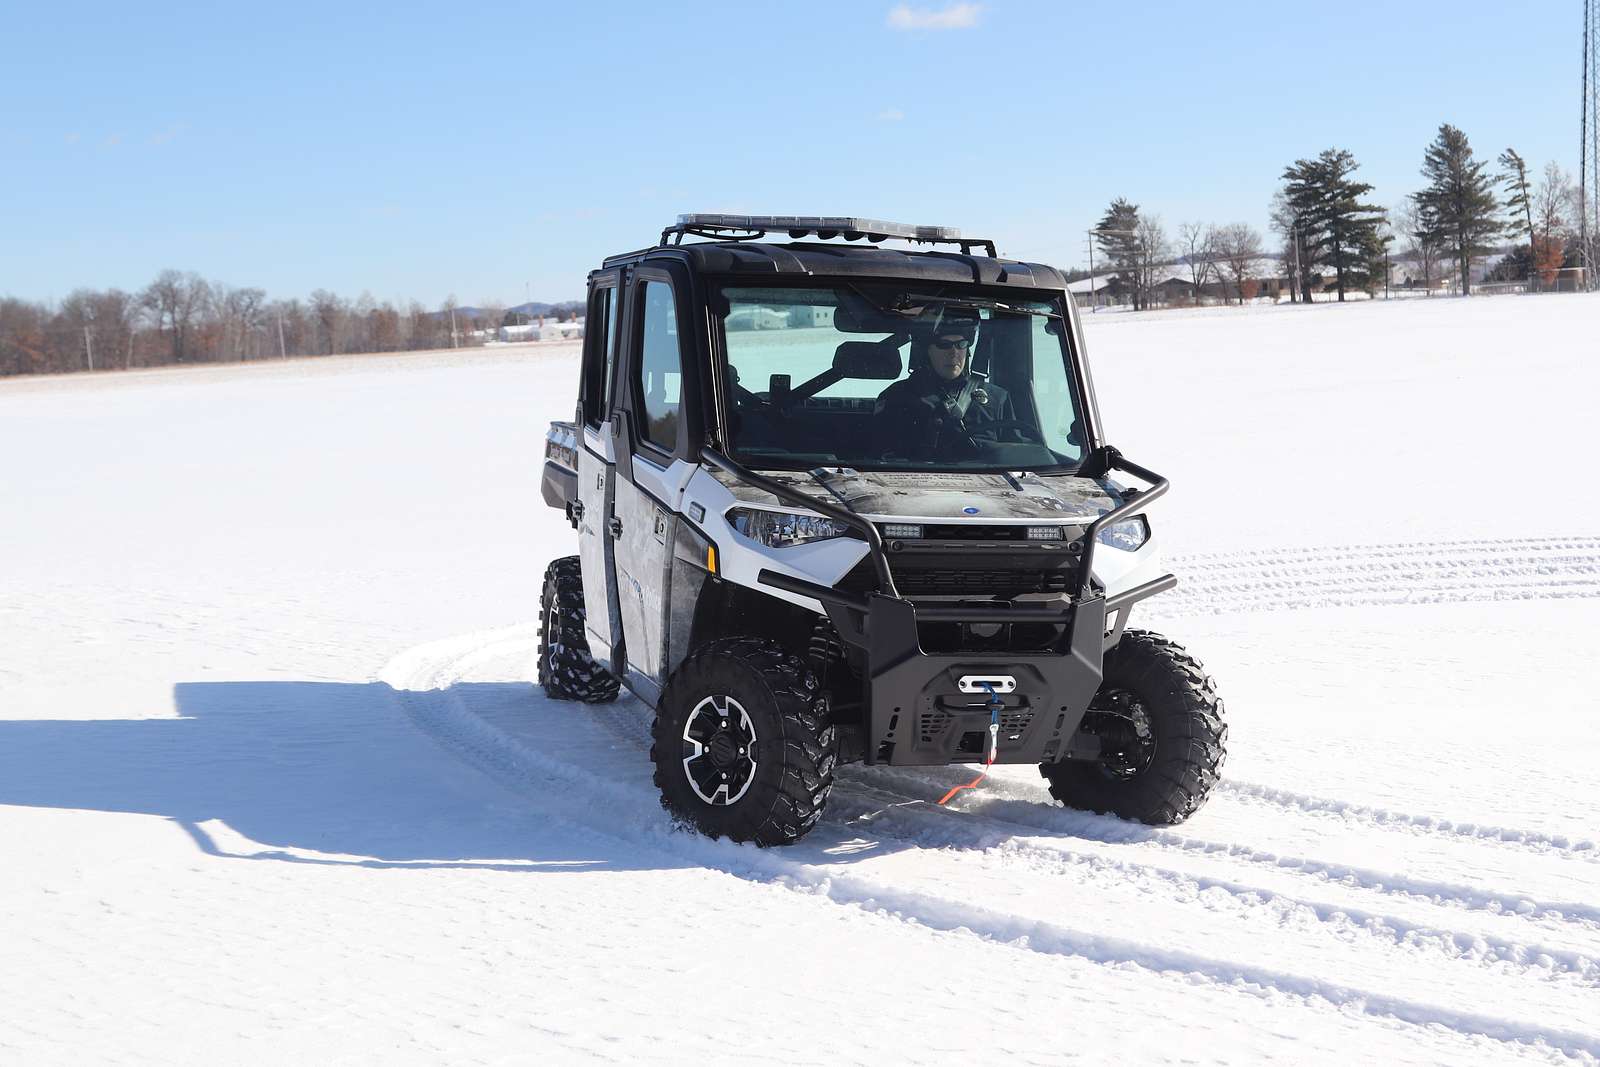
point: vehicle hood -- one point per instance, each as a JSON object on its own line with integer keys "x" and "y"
{"x": 944, "y": 497}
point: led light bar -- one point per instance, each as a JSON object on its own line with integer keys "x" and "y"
{"x": 1044, "y": 533}
{"x": 822, "y": 226}
{"x": 905, "y": 530}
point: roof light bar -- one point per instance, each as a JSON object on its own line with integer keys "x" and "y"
{"x": 850, "y": 227}
{"x": 803, "y": 225}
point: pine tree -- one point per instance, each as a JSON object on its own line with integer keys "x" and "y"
{"x": 1341, "y": 231}
{"x": 1118, "y": 238}
{"x": 1458, "y": 205}
{"x": 1519, "y": 202}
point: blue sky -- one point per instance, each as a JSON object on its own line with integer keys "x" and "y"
{"x": 486, "y": 151}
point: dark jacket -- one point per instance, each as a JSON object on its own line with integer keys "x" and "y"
{"x": 924, "y": 415}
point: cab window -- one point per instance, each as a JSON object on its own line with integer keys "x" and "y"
{"x": 660, "y": 378}
{"x": 599, "y": 354}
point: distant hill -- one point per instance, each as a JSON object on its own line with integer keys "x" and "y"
{"x": 532, "y": 309}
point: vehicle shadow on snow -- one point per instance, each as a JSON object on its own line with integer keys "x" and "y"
{"x": 488, "y": 776}
{"x": 298, "y": 772}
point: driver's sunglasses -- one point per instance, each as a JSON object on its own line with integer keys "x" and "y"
{"x": 960, "y": 342}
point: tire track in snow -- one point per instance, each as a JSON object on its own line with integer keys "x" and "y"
{"x": 1531, "y": 840}
{"x": 442, "y": 714}
{"x": 1362, "y": 575}
{"x": 864, "y": 792}
{"x": 927, "y": 827}
{"x": 1007, "y": 815}
{"x": 1029, "y": 812}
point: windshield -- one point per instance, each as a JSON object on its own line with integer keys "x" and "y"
{"x": 898, "y": 378}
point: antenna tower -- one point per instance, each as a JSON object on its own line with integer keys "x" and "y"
{"x": 1589, "y": 149}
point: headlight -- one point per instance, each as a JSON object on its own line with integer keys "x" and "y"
{"x": 1127, "y": 535}
{"x": 779, "y": 529}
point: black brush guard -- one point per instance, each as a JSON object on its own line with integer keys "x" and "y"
{"x": 924, "y": 709}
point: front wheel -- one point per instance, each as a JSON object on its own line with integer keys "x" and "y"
{"x": 1162, "y": 736}
{"x": 742, "y": 745}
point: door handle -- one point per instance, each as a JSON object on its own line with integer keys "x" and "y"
{"x": 615, "y": 526}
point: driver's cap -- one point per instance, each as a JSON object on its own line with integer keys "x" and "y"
{"x": 944, "y": 321}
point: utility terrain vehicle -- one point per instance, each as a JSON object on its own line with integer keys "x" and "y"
{"x": 843, "y": 503}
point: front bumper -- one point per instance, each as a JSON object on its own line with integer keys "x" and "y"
{"x": 919, "y": 713}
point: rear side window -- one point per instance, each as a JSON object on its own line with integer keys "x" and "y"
{"x": 599, "y": 355}
{"x": 660, "y": 367}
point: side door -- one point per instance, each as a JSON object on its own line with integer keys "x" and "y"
{"x": 597, "y": 426}
{"x": 652, "y": 468}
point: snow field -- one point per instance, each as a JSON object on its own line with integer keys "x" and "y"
{"x": 275, "y": 785}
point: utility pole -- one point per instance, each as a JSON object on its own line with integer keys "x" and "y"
{"x": 1117, "y": 233}
{"x": 282, "y": 352}
{"x": 1589, "y": 148}
{"x": 88, "y": 347}
{"x": 1583, "y": 156}
{"x": 1094, "y": 299}
{"x": 453, "y": 342}
{"x": 1298, "y": 267}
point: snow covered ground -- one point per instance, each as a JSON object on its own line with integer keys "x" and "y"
{"x": 274, "y": 785}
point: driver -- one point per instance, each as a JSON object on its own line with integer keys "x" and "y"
{"x": 942, "y": 404}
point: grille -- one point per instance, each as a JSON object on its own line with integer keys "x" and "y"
{"x": 957, "y": 581}
{"x": 1014, "y": 722}
{"x": 948, "y": 575}
{"x": 925, "y": 580}
{"x": 931, "y": 725}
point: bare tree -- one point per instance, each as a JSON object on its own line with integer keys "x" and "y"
{"x": 1297, "y": 254}
{"x": 239, "y": 321}
{"x": 182, "y": 318}
{"x": 175, "y": 300}
{"x": 1153, "y": 250}
{"x": 100, "y": 324}
{"x": 330, "y": 315}
{"x": 24, "y": 347}
{"x": 1552, "y": 201}
{"x": 1239, "y": 248}
{"x": 1197, "y": 241}
{"x": 1417, "y": 244}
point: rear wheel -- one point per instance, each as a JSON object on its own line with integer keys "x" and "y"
{"x": 1162, "y": 736}
{"x": 742, "y": 745}
{"x": 566, "y": 669}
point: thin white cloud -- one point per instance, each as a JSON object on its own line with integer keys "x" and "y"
{"x": 73, "y": 138}
{"x": 952, "y": 17}
{"x": 167, "y": 134}
{"x": 891, "y": 114}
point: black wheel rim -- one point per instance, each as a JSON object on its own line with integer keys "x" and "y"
{"x": 552, "y": 636}
{"x": 719, "y": 750}
{"x": 1127, "y": 735}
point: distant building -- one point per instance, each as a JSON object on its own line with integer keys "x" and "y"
{"x": 543, "y": 329}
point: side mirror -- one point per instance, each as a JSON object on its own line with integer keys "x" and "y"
{"x": 866, "y": 359}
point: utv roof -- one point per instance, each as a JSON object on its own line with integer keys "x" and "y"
{"x": 756, "y": 258}
{"x": 749, "y": 254}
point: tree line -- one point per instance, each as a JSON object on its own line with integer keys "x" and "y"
{"x": 1331, "y": 237}
{"x": 182, "y": 318}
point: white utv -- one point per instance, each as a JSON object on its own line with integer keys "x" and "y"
{"x": 837, "y": 502}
